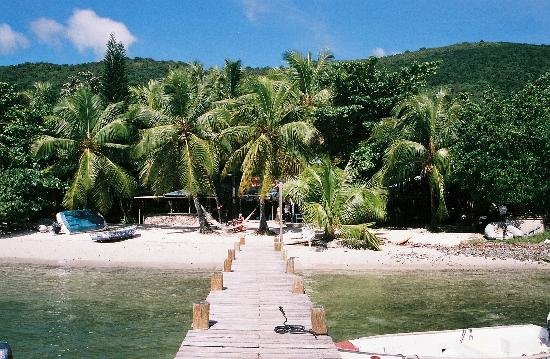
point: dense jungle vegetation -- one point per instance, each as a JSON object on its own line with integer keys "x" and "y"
{"x": 436, "y": 136}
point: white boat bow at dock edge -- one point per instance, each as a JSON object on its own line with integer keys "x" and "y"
{"x": 513, "y": 341}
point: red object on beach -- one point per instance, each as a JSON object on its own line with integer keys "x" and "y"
{"x": 347, "y": 346}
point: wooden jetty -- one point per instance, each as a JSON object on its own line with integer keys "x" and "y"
{"x": 238, "y": 321}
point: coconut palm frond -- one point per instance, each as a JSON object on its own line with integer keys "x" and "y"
{"x": 81, "y": 111}
{"x": 304, "y": 74}
{"x": 114, "y": 131}
{"x": 403, "y": 160}
{"x": 254, "y": 161}
{"x": 47, "y": 146}
{"x": 83, "y": 180}
{"x": 113, "y": 177}
{"x": 330, "y": 202}
{"x": 197, "y": 160}
{"x": 151, "y": 95}
{"x": 359, "y": 237}
{"x": 365, "y": 204}
{"x": 316, "y": 214}
{"x": 236, "y": 159}
{"x": 178, "y": 88}
{"x": 215, "y": 120}
{"x": 236, "y": 134}
{"x": 427, "y": 126}
{"x": 301, "y": 70}
{"x": 154, "y": 138}
{"x": 161, "y": 169}
{"x": 233, "y": 74}
{"x": 442, "y": 160}
{"x": 118, "y": 177}
{"x": 386, "y": 130}
{"x": 108, "y": 115}
{"x": 298, "y": 133}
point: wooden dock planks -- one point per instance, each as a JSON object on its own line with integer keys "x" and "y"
{"x": 243, "y": 315}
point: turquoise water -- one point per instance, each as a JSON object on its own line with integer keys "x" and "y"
{"x": 392, "y": 302}
{"x": 48, "y": 312}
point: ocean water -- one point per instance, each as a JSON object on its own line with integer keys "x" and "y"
{"x": 54, "y": 312}
{"x": 392, "y": 302}
{"x": 49, "y": 312}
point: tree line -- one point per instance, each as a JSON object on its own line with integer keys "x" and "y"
{"x": 355, "y": 142}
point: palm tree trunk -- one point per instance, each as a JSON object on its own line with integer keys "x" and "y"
{"x": 218, "y": 207}
{"x": 433, "y": 204}
{"x": 263, "y": 219}
{"x": 203, "y": 224}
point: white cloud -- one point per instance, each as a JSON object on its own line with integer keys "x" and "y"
{"x": 253, "y": 8}
{"x": 48, "y": 31}
{"x": 286, "y": 11}
{"x": 11, "y": 41}
{"x": 379, "y": 52}
{"x": 88, "y": 31}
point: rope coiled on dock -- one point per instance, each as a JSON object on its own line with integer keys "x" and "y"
{"x": 292, "y": 328}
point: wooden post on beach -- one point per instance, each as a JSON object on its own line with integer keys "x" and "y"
{"x": 237, "y": 247}
{"x": 290, "y": 265}
{"x": 278, "y": 246}
{"x": 231, "y": 254}
{"x": 227, "y": 263}
{"x": 284, "y": 254}
{"x": 242, "y": 241}
{"x": 298, "y": 286}
{"x": 216, "y": 282}
{"x": 318, "y": 320}
{"x": 201, "y": 315}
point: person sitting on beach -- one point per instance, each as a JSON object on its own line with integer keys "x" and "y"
{"x": 238, "y": 225}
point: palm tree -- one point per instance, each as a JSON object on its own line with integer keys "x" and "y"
{"x": 424, "y": 123}
{"x": 272, "y": 140}
{"x": 329, "y": 201}
{"x": 304, "y": 74}
{"x": 233, "y": 75}
{"x": 87, "y": 140}
{"x": 175, "y": 150}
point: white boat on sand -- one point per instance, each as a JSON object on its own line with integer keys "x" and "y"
{"x": 514, "y": 341}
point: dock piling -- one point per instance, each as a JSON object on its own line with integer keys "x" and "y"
{"x": 227, "y": 263}
{"x": 318, "y": 320}
{"x": 290, "y": 265}
{"x": 298, "y": 285}
{"x": 216, "y": 282}
{"x": 201, "y": 315}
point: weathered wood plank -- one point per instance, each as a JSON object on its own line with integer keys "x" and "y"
{"x": 243, "y": 315}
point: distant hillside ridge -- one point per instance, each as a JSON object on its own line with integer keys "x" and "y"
{"x": 469, "y": 67}
{"x": 140, "y": 71}
{"x": 472, "y": 67}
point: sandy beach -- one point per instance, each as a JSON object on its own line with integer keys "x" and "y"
{"x": 182, "y": 247}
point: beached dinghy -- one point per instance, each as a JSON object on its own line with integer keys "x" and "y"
{"x": 114, "y": 234}
{"x": 514, "y": 341}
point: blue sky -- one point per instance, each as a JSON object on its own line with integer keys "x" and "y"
{"x": 255, "y": 31}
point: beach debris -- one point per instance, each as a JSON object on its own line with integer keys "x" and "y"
{"x": 403, "y": 241}
{"x": 172, "y": 220}
{"x": 520, "y": 251}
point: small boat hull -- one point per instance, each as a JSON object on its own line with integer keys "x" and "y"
{"x": 515, "y": 341}
{"x": 114, "y": 235}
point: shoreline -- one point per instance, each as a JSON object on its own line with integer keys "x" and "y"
{"x": 183, "y": 248}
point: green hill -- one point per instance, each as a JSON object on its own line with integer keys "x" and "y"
{"x": 23, "y": 76}
{"x": 473, "y": 66}
{"x": 464, "y": 67}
